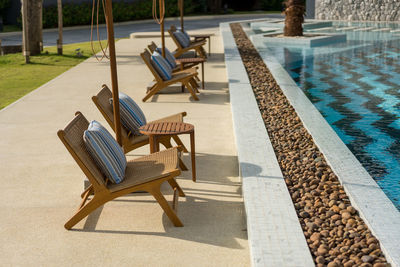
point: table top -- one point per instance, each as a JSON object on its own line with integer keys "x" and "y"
{"x": 202, "y": 35}
{"x": 166, "y": 128}
{"x": 190, "y": 60}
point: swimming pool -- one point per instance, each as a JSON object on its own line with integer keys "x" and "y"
{"x": 356, "y": 87}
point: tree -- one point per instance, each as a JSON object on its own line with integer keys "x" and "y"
{"x": 32, "y": 23}
{"x": 294, "y": 12}
{"x": 215, "y": 5}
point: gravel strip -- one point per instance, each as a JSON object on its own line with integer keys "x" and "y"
{"x": 335, "y": 233}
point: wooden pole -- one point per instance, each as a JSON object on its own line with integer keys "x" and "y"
{"x": 162, "y": 13}
{"x": 162, "y": 39}
{"x": 60, "y": 28}
{"x": 180, "y": 2}
{"x": 113, "y": 67}
{"x": 25, "y": 35}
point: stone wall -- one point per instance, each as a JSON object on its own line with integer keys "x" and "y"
{"x": 364, "y": 10}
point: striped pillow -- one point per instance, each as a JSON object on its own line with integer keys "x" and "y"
{"x": 161, "y": 65}
{"x": 168, "y": 56}
{"x": 187, "y": 36}
{"x": 181, "y": 38}
{"x": 106, "y": 152}
{"x": 132, "y": 116}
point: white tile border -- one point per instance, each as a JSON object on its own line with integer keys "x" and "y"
{"x": 274, "y": 232}
{"x": 378, "y": 212}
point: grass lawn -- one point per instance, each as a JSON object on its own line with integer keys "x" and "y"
{"x": 17, "y": 78}
{"x": 11, "y": 28}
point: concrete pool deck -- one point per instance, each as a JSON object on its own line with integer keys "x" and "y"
{"x": 41, "y": 182}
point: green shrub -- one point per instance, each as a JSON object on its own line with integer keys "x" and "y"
{"x": 4, "y": 4}
{"x": 272, "y": 5}
{"x": 81, "y": 14}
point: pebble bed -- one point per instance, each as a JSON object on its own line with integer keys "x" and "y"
{"x": 335, "y": 233}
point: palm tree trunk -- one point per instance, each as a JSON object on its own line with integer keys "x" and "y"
{"x": 294, "y": 19}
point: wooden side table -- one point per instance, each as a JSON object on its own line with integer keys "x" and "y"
{"x": 199, "y": 37}
{"x": 194, "y": 60}
{"x": 153, "y": 130}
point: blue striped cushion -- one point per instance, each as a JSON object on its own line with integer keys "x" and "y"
{"x": 161, "y": 65}
{"x": 168, "y": 56}
{"x": 186, "y": 35}
{"x": 181, "y": 38}
{"x": 132, "y": 116}
{"x": 106, "y": 152}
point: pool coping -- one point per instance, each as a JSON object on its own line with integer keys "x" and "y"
{"x": 378, "y": 212}
{"x": 274, "y": 231}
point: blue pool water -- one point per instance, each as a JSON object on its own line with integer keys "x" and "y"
{"x": 356, "y": 87}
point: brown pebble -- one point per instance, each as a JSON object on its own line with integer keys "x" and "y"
{"x": 315, "y": 236}
{"x": 320, "y": 260}
{"x": 325, "y": 233}
{"x": 351, "y": 209}
{"x": 335, "y": 208}
{"x": 351, "y": 221}
{"x": 333, "y": 264}
{"x": 371, "y": 240}
{"x": 304, "y": 214}
{"x": 349, "y": 263}
{"x": 346, "y": 215}
{"x": 322, "y": 250}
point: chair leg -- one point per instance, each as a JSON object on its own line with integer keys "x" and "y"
{"x": 189, "y": 87}
{"x": 84, "y": 211}
{"x": 151, "y": 88}
{"x": 182, "y": 165}
{"x": 178, "y": 141}
{"x": 202, "y": 74}
{"x": 195, "y": 85}
{"x": 166, "y": 207}
{"x": 90, "y": 188}
{"x": 151, "y": 93}
{"x": 174, "y": 185}
{"x": 166, "y": 142}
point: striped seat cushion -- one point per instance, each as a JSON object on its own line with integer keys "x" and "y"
{"x": 161, "y": 66}
{"x": 181, "y": 38}
{"x": 168, "y": 56}
{"x": 132, "y": 116}
{"x": 106, "y": 152}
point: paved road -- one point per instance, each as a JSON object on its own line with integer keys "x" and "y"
{"x": 82, "y": 34}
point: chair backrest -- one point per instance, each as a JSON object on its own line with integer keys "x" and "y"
{"x": 171, "y": 31}
{"x": 102, "y": 102}
{"x": 72, "y": 138}
{"x": 146, "y": 56}
{"x": 152, "y": 47}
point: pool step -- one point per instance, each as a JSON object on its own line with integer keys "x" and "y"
{"x": 382, "y": 30}
{"x": 365, "y": 29}
{"x": 346, "y": 28}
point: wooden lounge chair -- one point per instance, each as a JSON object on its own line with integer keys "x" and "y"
{"x": 143, "y": 174}
{"x": 152, "y": 47}
{"x": 186, "y": 77}
{"x": 131, "y": 142}
{"x": 180, "y": 50}
{"x": 185, "y": 63}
